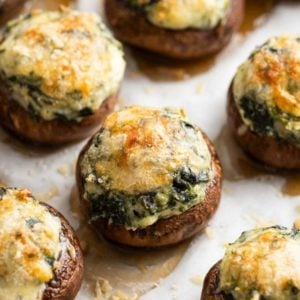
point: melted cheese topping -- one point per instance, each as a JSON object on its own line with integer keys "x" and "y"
{"x": 141, "y": 148}
{"x": 61, "y": 64}
{"x": 178, "y": 14}
{"x": 272, "y": 75}
{"x": 29, "y": 245}
{"x": 145, "y": 164}
{"x": 263, "y": 264}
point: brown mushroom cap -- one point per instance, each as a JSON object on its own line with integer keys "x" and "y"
{"x": 9, "y": 9}
{"x": 276, "y": 153}
{"x": 131, "y": 26}
{"x": 211, "y": 285}
{"x": 164, "y": 232}
{"x": 19, "y": 121}
{"x": 68, "y": 277}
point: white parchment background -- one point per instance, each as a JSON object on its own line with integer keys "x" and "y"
{"x": 245, "y": 201}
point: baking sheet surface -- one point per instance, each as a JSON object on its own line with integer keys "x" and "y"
{"x": 251, "y": 196}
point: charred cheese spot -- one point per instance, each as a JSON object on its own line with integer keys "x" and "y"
{"x": 266, "y": 88}
{"x": 145, "y": 164}
{"x": 29, "y": 245}
{"x": 177, "y": 14}
{"x": 263, "y": 264}
{"x": 60, "y": 64}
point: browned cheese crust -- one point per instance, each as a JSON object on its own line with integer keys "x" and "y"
{"x": 19, "y": 121}
{"x": 131, "y": 26}
{"x": 68, "y": 277}
{"x": 9, "y": 9}
{"x": 164, "y": 232}
{"x": 279, "y": 154}
{"x": 211, "y": 284}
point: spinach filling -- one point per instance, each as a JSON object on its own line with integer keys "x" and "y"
{"x": 38, "y": 99}
{"x": 123, "y": 209}
{"x": 293, "y": 233}
{"x": 289, "y": 291}
{"x": 269, "y": 120}
{"x": 2, "y": 192}
{"x": 141, "y": 4}
{"x": 258, "y": 113}
{"x": 30, "y": 223}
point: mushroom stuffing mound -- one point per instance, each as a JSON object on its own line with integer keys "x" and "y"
{"x": 149, "y": 178}
{"x": 40, "y": 256}
{"x": 261, "y": 264}
{"x": 264, "y": 103}
{"x": 60, "y": 72}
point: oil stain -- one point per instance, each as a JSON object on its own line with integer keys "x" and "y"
{"x": 3, "y": 183}
{"x": 291, "y": 186}
{"x": 239, "y": 166}
{"x": 254, "y": 11}
{"x": 133, "y": 272}
{"x": 236, "y": 164}
{"x": 50, "y": 4}
{"x": 159, "y": 68}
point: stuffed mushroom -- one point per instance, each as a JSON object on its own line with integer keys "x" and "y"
{"x": 149, "y": 178}
{"x": 174, "y": 28}
{"x": 40, "y": 256}
{"x": 264, "y": 103}
{"x": 261, "y": 264}
{"x": 59, "y": 75}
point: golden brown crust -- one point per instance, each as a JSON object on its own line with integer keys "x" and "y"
{"x": 211, "y": 284}
{"x": 68, "y": 277}
{"x": 276, "y": 153}
{"x": 9, "y": 9}
{"x": 164, "y": 232}
{"x": 17, "y": 120}
{"x": 131, "y": 26}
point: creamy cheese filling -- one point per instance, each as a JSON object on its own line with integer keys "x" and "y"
{"x": 60, "y": 64}
{"x": 145, "y": 164}
{"x": 179, "y": 14}
{"x": 266, "y": 89}
{"x": 29, "y": 245}
{"x": 263, "y": 264}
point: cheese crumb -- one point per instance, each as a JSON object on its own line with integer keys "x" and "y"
{"x": 210, "y": 233}
{"x": 297, "y": 224}
{"x": 64, "y": 170}
{"x": 119, "y": 295}
{"x": 198, "y": 279}
{"x": 104, "y": 291}
{"x": 200, "y": 88}
{"x": 50, "y": 194}
{"x": 298, "y": 208}
{"x": 102, "y": 288}
{"x": 260, "y": 221}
